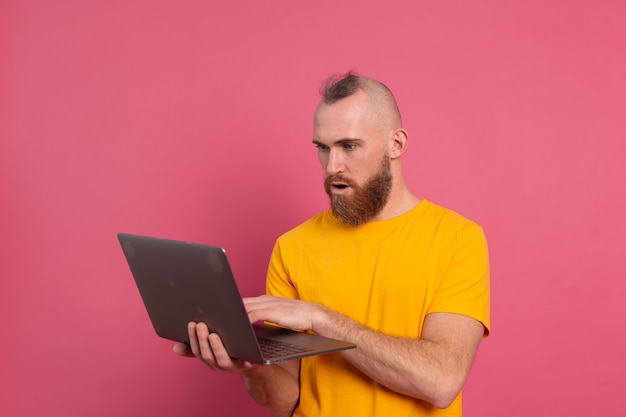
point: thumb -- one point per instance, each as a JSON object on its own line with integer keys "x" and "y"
{"x": 182, "y": 349}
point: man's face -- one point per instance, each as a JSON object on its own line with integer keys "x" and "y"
{"x": 364, "y": 202}
{"x": 352, "y": 151}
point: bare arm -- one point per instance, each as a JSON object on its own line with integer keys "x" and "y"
{"x": 276, "y": 387}
{"x": 432, "y": 368}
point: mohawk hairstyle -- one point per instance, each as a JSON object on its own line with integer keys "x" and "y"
{"x": 337, "y": 87}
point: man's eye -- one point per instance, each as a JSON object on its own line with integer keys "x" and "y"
{"x": 322, "y": 148}
{"x": 349, "y": 146}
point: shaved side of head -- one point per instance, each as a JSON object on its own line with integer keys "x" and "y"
{"x": 381, "y": 104}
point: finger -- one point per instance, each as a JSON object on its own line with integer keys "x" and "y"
{"x": 266, "y": 311}
{"x": 258, "y": 307}
{"x": 257, "y": 300}
{"x": 206, "y": 352}
{"x": 182, "y": 349}
{"x": 248, "y": 303}
{"x": 193, "y": 339}
{"x": 222, "y": 358}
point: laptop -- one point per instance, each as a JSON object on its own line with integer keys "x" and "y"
{"x": 181, "y": 282}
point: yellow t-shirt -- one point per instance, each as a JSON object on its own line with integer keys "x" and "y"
{"x": 387, "y": 275}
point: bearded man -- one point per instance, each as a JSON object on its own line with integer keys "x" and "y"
{"x": 404, "y": 279}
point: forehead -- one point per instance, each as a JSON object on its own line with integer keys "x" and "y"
{"x": 345, "y": 118}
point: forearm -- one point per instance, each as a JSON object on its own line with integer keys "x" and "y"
{"x": 276, "y": 387}
{"x": 419, "y": 368}
{"x": 272, "y": 387}
{"x": 432, "y": 368}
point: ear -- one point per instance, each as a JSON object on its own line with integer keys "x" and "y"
{"x": 400, "y": 143}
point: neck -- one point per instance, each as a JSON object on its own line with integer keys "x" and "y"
{"x": 400, "y": 201}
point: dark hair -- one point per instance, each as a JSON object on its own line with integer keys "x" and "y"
{"x": 337, "y": 87}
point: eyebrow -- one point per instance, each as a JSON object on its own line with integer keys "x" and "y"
{"x": 338, "y": 142}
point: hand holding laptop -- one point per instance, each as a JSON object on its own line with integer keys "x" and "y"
{"x": 209, "y": 348}
{"x": 182, "y": 283}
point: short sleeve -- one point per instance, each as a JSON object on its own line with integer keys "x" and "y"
{"x": 278, "y": 281}
{"x": 464, "y": 284}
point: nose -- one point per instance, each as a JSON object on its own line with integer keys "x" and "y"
{"x": 335, "y": 163}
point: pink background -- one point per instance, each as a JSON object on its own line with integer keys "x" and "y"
{"x": 192, "y": 120}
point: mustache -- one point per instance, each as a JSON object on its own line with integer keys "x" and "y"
{"x": 328, "y": 182}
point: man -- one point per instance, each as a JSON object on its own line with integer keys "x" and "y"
{"x": 405, "y": 280}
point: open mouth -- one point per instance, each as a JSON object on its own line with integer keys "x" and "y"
{"x": 337, "y": 185}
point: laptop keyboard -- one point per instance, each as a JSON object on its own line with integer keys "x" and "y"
{"x": 273, "y": 348}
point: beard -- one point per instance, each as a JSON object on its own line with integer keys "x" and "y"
{"x": 366, "y": 201}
